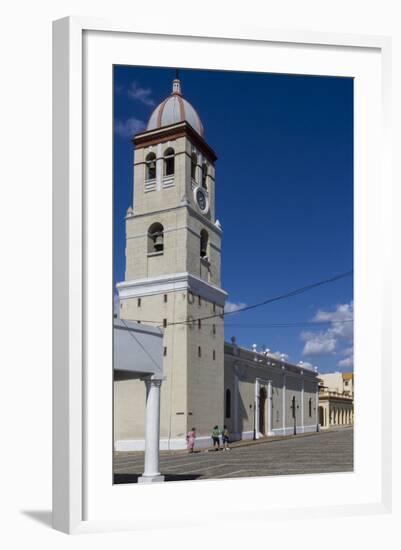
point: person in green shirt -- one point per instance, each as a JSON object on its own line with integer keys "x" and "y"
{"x": 216, "y": 438}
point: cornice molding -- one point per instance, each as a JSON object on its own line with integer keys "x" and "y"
{"x": 175, "y": 131}
{"x": 175, "y": 282}
{"x": 308, "y": 375}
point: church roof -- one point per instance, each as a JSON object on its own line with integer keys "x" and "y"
{"x": 175, "y": 108}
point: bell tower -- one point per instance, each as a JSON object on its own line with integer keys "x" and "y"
{"x": 172, "y": 279}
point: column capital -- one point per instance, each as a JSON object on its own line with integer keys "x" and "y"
{"x": 155, "y": 382}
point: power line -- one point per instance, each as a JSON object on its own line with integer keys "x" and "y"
{"x": 130, "y": 332}
{"x": 289, "y": 294}
{"x": 295, "y": 324}
{"x": 284, "y": 325}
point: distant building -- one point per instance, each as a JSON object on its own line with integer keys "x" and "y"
{"x": 336, "y": 399}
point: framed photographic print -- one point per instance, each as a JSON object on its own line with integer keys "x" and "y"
{"x": 219, "y": 214}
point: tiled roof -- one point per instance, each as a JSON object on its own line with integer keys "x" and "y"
{"x": 175, "y": 109}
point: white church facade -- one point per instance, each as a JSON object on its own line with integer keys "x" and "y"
{"x": 172, "y": 279}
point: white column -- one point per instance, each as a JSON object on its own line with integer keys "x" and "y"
{"x": 317, "y": 407}
{"x": 302, "y": 404}
{"x": 236, "y": 399}
{"x": 283, "y": 403}
{"x": 269, "y": 408}
{"x": 159, "y": 167}
{"x": 256, "y": 408}
{"x": 198, "y": 172}
{"x": 152, "y": 434}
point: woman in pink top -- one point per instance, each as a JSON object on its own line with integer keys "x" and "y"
{"x": 191, "y": 435}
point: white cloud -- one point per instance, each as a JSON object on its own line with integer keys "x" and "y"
{"x": 347, "y": 351}
{"x": 231, "y": 307}
{"x": 343, "y": 312}
{"x": 347, "y": 362}
{"x": 128, "y": 128}
{"x": 143, "y": 95}
{"x": 318, "y": 343}
{"x": 340, "y": 331}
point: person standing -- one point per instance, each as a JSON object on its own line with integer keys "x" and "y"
{"x": 225, "y": 435}
{"x": 191, "y": 436}
{"x": 216, "y": 438}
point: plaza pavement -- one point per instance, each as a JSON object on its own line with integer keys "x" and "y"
{"x": 322, "y": 452}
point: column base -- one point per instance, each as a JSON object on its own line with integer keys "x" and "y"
{"x": 151, "y": 479}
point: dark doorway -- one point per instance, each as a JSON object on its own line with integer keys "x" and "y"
{"x": 321, "y": 416}
{"x": 262, "y": 407}
{"x": 228, "y": 403}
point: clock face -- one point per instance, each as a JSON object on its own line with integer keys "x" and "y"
{"x": 201, "y": 199}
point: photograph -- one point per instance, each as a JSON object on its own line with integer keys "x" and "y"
{"x": 232, "y": 304}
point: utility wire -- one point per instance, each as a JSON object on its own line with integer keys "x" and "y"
{"x": 283, "y": 325}
{"x": 130, "y": 332}
{"x": 262, "y": 325}
{"x": 289, "y": 294}
{"x": 294, "y": 292}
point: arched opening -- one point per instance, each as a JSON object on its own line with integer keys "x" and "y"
{"x": 204, "y": 175}
{"x": 169, "y": 162}
{"x": 228, "y": 403}
{"x": 262, "y": 411}
{"x": 150, "y": 166}
{"x": 204, "y": 240}
{"x": 194, "y": 163}
{"x": 155, "y": 238}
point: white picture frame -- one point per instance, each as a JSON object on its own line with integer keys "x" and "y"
{"x": 74, "y": 476}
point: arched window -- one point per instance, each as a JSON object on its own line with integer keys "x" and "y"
{"x": 155, "y": 238}
{"x": 204, "y": 175}
{"x": 150, "y": 166}
{"x": 228, "y": 403}
{"x": 310, "y": 407}
{"x": 169, "y": 162}
{"x": 204, "y": 239}
{"x": 194, "y": 162}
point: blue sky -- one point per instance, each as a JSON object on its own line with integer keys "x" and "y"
{"x": 284, "y": 197}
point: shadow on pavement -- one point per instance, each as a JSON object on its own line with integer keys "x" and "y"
{"x": 41, "y": 516}
{"x": 133, "y": 478}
